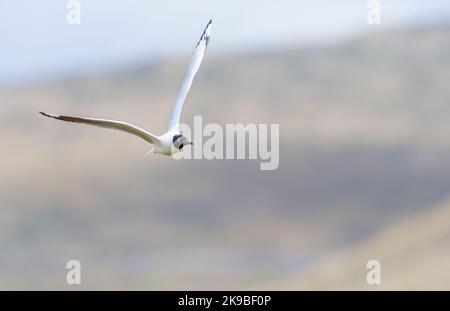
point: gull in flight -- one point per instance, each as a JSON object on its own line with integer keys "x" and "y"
{"x": 173, "y": 140}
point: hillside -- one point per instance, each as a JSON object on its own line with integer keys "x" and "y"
{"x": 414, "y": 255}
{"x": 364, "y": 144}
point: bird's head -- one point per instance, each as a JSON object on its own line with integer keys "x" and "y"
{"x": 179, "y": 141}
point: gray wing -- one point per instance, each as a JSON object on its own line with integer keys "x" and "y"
{"x": 117, "y": 125}
{"x": 194, "y": 65}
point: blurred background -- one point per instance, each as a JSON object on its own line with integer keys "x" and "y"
{"x": 364, "y": 146}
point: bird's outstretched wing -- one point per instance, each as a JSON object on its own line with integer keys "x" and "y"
{"x": 117, "y": 125}
{"x": 194, "y": 65}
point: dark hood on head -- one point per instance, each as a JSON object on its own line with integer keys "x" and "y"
{"x": 175, "y": 137}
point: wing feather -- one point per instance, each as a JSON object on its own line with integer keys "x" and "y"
{"x": 111, "y": 124}
{"x": 194, "y": 65}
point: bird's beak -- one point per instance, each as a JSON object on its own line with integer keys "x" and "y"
{"x": 191, "y": 143}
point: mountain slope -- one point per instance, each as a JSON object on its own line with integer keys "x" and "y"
{"x": 363, "y": 144}
{"x": 414, "y": 255}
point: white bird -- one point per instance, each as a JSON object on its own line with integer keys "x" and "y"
{"x": 173, "y": 140}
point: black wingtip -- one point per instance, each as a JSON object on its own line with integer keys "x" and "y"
{"x": 207, "y": 26}
{"x": 204, "y": 35}
{"x": 48, "y": 115}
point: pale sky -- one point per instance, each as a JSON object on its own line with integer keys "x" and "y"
{"x": 38, "y": 43}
